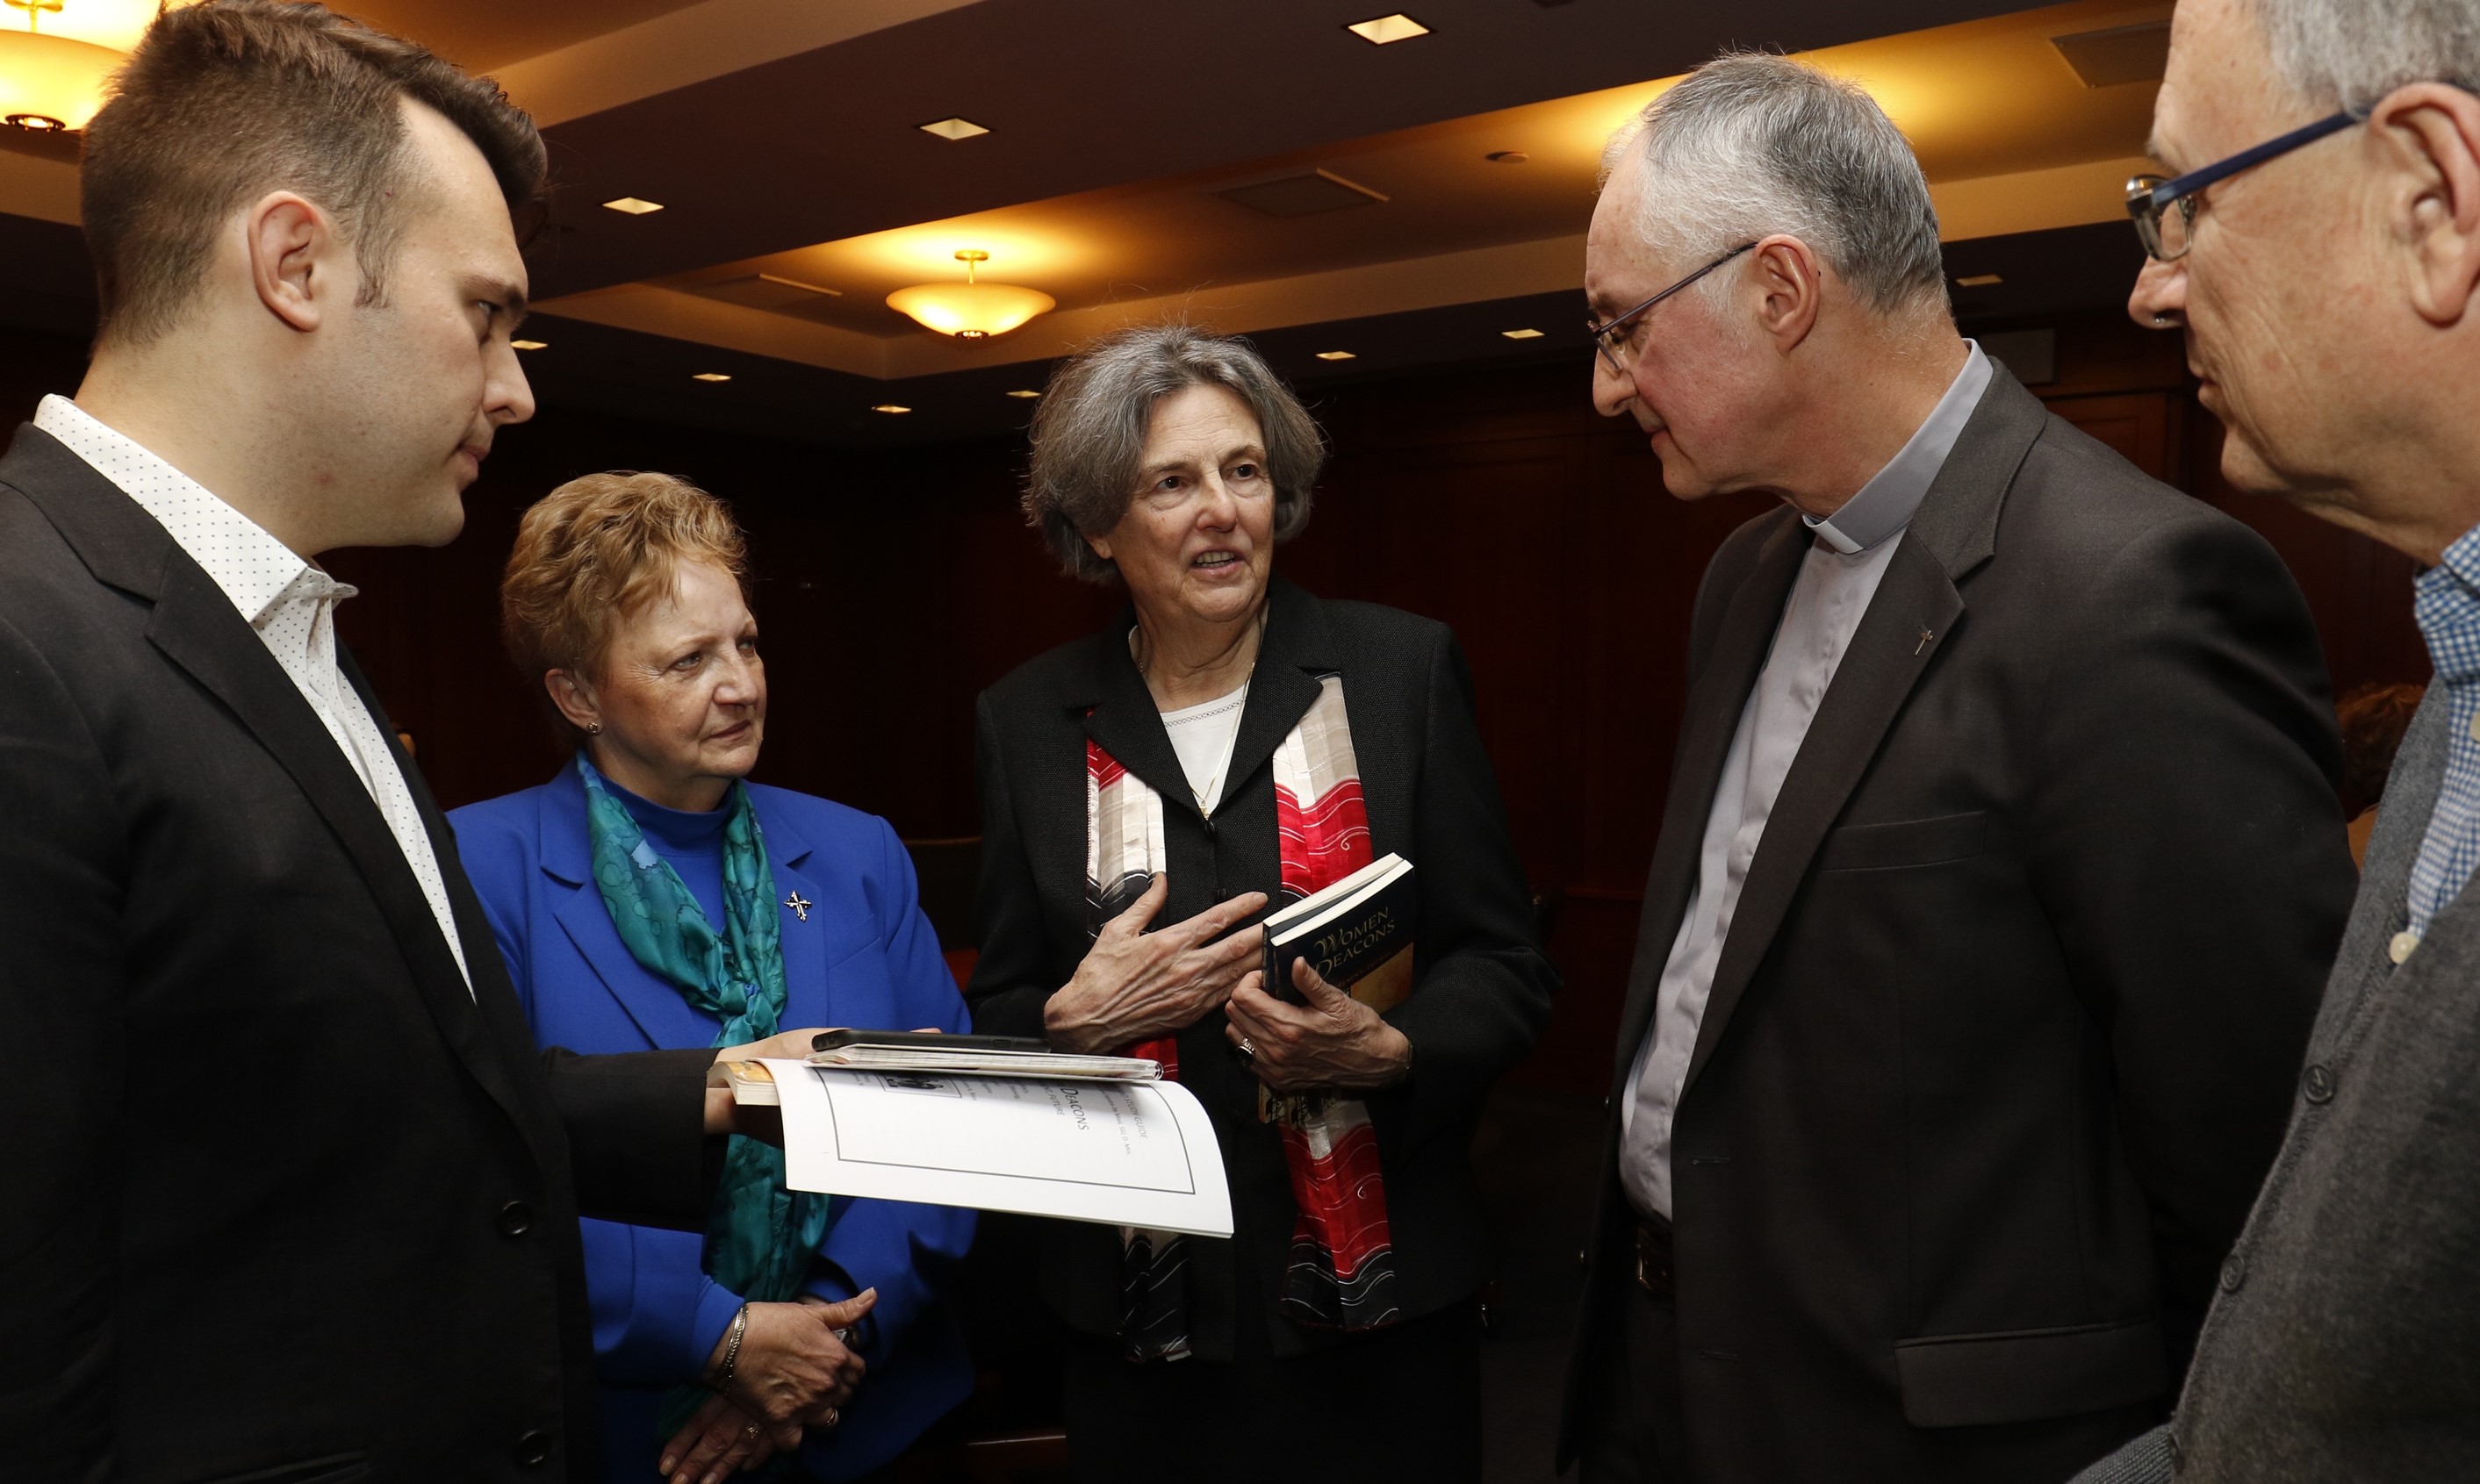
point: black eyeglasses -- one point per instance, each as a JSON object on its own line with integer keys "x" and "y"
{"x": 1605, "y": 334}
{"x": 2149, "y": 197}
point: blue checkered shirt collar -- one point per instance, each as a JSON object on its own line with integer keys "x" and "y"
{"x": 2446, "y": 606}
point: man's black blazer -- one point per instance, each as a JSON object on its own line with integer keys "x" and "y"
{"x": 279, "y": 1199}
{"x": 2002, "y": 1035}
{"x": 1484, "y": 986}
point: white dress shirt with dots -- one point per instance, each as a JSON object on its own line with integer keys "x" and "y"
{"x": 291, "y": 604}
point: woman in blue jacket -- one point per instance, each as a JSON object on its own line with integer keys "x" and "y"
{"x": 647, "y": 896}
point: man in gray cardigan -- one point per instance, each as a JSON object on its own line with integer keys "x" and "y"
{"x": 2320, "y": 242}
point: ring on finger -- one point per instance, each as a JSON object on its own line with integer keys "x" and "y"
{"x": 749, "y": 1434}
{"x": 1247, "y": 1048}
{"x": 833, "y": 1417}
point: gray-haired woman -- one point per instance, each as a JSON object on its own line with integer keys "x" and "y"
{"x": 1228, "y": 743}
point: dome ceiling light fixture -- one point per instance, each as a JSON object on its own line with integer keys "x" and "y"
{"x": 49, "y": 83}
{"x": 971, "y": 310}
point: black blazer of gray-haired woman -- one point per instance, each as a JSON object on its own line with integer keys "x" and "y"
{"x": 1482, "y": 994}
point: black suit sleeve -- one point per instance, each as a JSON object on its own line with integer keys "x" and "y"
{"x": 634, "y": 1123}
{"x": 2188, "y": 848}
{"x": 63, "y": 1046}
{"x": 637, "y": 1146}
{"x": 1485, "y": 986}
{"x": 1011, "y": 978}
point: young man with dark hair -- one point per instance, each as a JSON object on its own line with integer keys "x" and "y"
{"x": 287, "y": 1194}
{"x": 235, "y": 100}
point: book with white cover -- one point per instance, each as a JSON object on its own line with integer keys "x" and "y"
{"x": 1121, "y": 1153}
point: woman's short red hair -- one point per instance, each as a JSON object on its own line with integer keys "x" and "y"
{"x": 598, "y": 550}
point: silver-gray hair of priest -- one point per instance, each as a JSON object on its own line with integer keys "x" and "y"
{"x": 1089, "y": 433}
{"x": 1751, "y": 144}
{"x": 2349, "y": 54}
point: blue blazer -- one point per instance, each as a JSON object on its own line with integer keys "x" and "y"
{"x": 860, "y": 955}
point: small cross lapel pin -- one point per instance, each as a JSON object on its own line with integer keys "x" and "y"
{"x": 800, "y": 906}
{"x": 1926, "y": 636}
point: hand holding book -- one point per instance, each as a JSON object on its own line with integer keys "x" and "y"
{"x": 1335, "y": 962}
{"x": 1330, "y": 1040}
{"x": 726, "y": 1116}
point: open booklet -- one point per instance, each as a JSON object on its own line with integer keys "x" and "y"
{"x": 1127, "y": 1153}
{"x": 930, "y": 1052}
{"x": 919, "y": 1051}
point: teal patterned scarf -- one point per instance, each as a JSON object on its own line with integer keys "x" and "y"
{"x": 761, "y": 1237}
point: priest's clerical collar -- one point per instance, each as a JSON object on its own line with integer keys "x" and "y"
{"x": 1885, "y": 505}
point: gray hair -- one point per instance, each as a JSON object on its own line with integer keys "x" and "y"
{"x": 2349, "y": 54}
{"x": 1089, "y": 434}
{"x": 1752, "y": 144}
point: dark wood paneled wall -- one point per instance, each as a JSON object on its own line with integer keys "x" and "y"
{"x": 892, "y": 587}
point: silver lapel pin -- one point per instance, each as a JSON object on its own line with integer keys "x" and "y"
{"x": 800, "y": 906}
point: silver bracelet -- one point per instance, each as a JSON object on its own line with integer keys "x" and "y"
{"x": 732, "y": 1349}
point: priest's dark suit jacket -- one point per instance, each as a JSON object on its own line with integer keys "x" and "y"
{"x": 2003, "y": 1033}
{"x": 280, "y": 1199}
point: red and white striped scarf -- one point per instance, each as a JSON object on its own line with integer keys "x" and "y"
{"x": 1342, "y": 1268}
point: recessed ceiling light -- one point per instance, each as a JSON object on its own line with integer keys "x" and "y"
{"x": 1334, "y": 355}
{"x": 710, "y": 376}
{"x": 1507, "y": 157}
{"x": 1979, "y": 281}
{"x": 1024, "y": 394}
{"x": 889, "y": 408}
{"x": 632, "y": 206}
{"x": 954, "y": 129}
{"x": 1398, "y": 27}
{"x": 1522, "y": 334}
{"x": 529, "y": 344}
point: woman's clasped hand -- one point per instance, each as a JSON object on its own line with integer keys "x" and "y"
{"x": 1134, "y": 984}
{"x": 793, "y": 1370}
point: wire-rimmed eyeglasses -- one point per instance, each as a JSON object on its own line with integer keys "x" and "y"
{"x": 2165, "y": 232}
{"x": 1608, "y": 332}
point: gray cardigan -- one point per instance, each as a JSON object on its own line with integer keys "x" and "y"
{"x": 2346, "y": 1341}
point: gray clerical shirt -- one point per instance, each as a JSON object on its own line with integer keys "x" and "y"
{"x": 1836, "y": 581}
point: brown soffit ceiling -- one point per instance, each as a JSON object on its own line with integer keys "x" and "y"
{"x": 781, "y": 136}
{"x": 482, "y": 36}
{"x": 1090, "y": 94}
{"x": 780, "y": 123}
{"x": 2011, "y": 138}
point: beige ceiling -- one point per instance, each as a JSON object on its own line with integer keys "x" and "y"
{"x": 2009, "y": 136}
{"x": 560, "y": 59}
